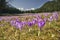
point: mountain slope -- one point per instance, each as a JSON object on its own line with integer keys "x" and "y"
{"x": 50, "y": 6}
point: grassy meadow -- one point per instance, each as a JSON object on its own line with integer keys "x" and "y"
{"x": 50, "y": 31}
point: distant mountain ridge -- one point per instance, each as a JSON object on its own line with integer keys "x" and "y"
{"x": 50, "y": 6}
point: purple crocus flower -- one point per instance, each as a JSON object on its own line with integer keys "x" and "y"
{"x": 1, "y": 19}
{"x": 34, "y": 21}
{"x": 50, "y": 19}
{"x": 55, "y": 15}
{"x": 30, "y": 23}
{"x": 45, "y": 19}
{"x": 24, "y": 23}
{"x": 19, "y": 25}
{"x": 12, "y": 22}
{"x": 41, "y": 23}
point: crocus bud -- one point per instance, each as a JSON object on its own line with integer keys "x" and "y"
{"x": 50, "y": 19}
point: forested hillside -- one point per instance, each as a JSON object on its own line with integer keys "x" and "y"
{"x": 50, "y": 6}
{"x": 5, "y": 7}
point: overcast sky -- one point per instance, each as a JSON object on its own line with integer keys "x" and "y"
{"x": 28, "y": 4}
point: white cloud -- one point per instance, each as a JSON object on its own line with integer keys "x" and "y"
{"x": 21, "y": 8}
{"x": 26, "y": 9}
{"x": 32, "y": 8}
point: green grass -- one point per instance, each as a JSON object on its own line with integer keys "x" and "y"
{"x": 48, "y": 32}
